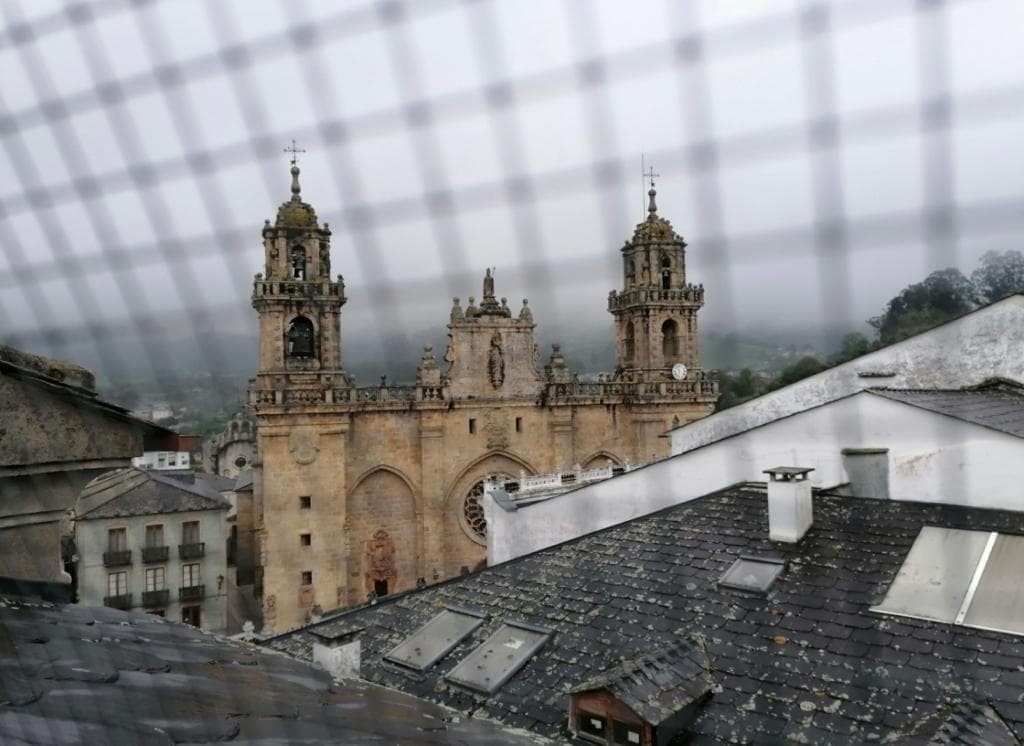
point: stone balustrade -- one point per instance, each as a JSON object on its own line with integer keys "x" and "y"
{"x": 287, "y": 288}
{"x": 653, "y": 294}
{"x": 698, "y": 385}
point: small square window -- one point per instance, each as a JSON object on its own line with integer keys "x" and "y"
{"x": 307, "y": 577}
{"x": 591, "y": 724}
{"x": 753, "y": 574}
{"x": 626, "y": 733}
{"x": 305, "y": 502}
{"x": 472, "y": 425}
{"x": 305, "y": 539}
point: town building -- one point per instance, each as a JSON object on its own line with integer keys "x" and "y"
{"x": 153, "y": 542}
{"x": 56, "y": 435}
{"x": 759, "y": 613}
{"x": 163, "y": 460}
{"x": 233, "y": 450}
{"x": 937, "y": 417}
{"x": 984, "y": 344}
{"x": 364, "y": 491}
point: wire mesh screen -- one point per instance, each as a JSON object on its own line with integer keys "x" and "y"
{"x": 801, "y": 147}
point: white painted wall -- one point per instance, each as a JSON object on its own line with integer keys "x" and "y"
{"x": 163, "y": 460}
{"x": 932, "y": 458}
{"x": 983, "y": 344}
{"x": 91, "y": 543}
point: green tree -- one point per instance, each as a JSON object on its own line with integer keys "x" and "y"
{"x": 854, "y": 345}
{"x": 738, "y": 388}
{"x": 806, "y": 366}
{"x": 944, "y": 295}
{"x": 998, "y": 275}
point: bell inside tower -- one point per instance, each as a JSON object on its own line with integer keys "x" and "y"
{"x": 298, "y": 263}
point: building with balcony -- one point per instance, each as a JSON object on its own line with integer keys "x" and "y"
{"x": 154, "y": 542}
{"x": 56, "y": 435}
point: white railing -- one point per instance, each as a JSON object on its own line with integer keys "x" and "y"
{"x": 525, "y": 486}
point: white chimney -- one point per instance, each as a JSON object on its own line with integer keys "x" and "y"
{"x": 790, "y": 510}
{"x": 338, "y": 654}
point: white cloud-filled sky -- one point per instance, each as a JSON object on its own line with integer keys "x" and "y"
{"x": 142, "y": 150}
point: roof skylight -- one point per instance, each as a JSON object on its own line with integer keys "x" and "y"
{"x": 961, "y": 577}
{"x": 435, "y": 639}
{"x": 752, "y": 574}
{"x": 499, "y": 658}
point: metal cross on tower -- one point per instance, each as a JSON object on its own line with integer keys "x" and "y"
{"x": 644, "y": 174}
{"x": 294, "y": 151}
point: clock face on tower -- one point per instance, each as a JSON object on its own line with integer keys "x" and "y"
{"x": 679, "y": 371}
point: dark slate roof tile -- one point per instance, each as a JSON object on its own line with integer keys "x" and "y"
{"x": 132, "y": 491}
{"x": 809, "y": 661}
{"x": 998, "y": 409}
{"x": 72, "y": 675}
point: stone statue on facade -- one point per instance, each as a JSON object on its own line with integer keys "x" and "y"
{"x": 456, "y": 314}
{"x": 488, "y": 285}
{"x": 526, "y": 314}
{"x": 496, "y": 362}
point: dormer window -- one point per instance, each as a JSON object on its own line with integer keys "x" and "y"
{"x": 646, "y": 701}
{"x": 298, "y": 263}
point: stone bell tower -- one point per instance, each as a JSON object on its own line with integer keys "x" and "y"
{"x": 299, "y": 305}
{"x": 656, "y": 310}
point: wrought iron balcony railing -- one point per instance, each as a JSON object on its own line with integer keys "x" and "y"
{"x": 117, "y": 558}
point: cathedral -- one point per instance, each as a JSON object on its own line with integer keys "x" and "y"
{"x": 365, "y": 491}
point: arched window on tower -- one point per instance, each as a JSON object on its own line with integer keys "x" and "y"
{"x": 670, "y": 341}
{"x": 300, "y": 337}
{"x": 630, "y": 272}
{"x": 666, "y": 272}
{"x": 298, "y": 263}
{"x": 630, "y": 342}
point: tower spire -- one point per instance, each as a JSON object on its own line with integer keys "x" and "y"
{"x": 294, "y": 150}
{"x": 652, "y": 207}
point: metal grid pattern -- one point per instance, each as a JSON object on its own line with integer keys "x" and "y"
{"x": 141, "y": 148}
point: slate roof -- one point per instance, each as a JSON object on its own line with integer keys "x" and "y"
{"x": 809, "y": 661}
{"x": 130, "y": 492}
{"x": 75, "y": 674}
{"x": 659, "y": 685}
{"x": 966, "y": 724}
{"x": 997, "y": 407}
{"x": 216, "y": 482}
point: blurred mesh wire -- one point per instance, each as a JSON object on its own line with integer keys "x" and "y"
{"x": 142, "y": 148}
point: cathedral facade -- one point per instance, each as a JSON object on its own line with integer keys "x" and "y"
{"x": 364, "y": 491}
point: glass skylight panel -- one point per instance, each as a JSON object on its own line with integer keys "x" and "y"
{"x": 499, "y": 657}
{"x": 435, "y": 639}
{"x": 998, "y": 601}
{"x": 935, "y": 577}
{"x": 753, "y": 574}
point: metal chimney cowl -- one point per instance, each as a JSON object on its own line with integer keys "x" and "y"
{"x": 790, "y": 506}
